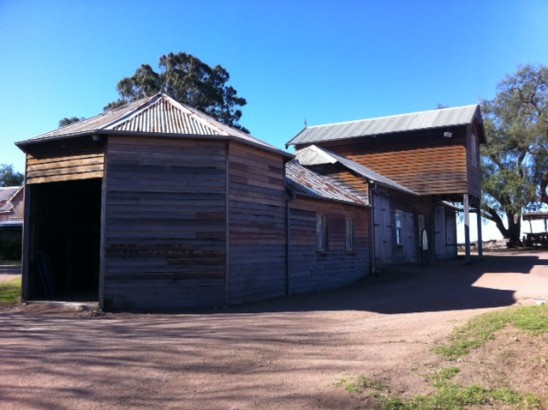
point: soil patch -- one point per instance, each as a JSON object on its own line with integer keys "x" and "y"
{"x": 285, "y": 353}
{"x": 514, "y": 359}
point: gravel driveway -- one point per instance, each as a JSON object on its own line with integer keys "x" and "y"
{"x": 284, "y": 353}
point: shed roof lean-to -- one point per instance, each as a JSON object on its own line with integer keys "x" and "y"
{"x": 305, "y": 182}
{"x": 443, "y": 117}
{"x": 159, "y": 114}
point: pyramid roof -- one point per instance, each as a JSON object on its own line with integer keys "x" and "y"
{"x": 158, "y": 115}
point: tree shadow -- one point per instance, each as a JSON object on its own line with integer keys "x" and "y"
{"x": 191, "y": 360}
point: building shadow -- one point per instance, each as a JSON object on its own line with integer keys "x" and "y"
{"x": 410, "y": 288}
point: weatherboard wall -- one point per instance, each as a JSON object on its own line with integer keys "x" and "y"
{"x": 164, "y": 230}
{"x": 256, "y": 223}
{"x": 73, "y": 160}
{"x": 425, "y": 162}
{"x": 440, "y": 228}
{"x": 311, "y": 269}
{"x": 473, "y": 161}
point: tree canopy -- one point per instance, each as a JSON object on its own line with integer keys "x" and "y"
{"x": 188, "y": 80}
{"x": 63, "y": 122}
{"x": 516, "y": 153}
{"x": 10, "y": 177}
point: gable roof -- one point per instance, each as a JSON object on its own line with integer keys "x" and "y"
{"x": 7, "y": 192}
{"x": 444, "y": 117}
{"x": 305, "y": 182}
{"x": 159, "y": 114}
{"x": 314, "y": 155}
{"x": 7, "y": 195}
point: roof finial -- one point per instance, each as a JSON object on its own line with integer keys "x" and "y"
{"x": 305, "y": 123}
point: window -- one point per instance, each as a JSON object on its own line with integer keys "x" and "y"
{"x": 421, "y": 223}
{"x": 473, "y": 151}
{"x": 398, "y": 228}
{"x": 321, "y": 232}
{"x": 349, "y": 234}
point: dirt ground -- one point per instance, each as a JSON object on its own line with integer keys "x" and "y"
{"x": 286, "y": 353}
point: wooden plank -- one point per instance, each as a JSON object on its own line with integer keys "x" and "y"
{"x": 64, "y": 168}
{"x": 63, "y": 178}
{"x": 75, "y": 161}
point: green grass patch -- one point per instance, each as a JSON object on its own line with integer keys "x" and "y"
{"x": 360, "y": 384}
{"x": 447, "y": 395}
{"x": 454, "y": 396}
{"x": 533, "y": 319}
{"x": 442, "y": 376}
{"x": 10, "y": 292}
{"x": 10, "y": 262}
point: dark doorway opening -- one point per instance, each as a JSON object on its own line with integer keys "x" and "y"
{"x": 65, "y": 231}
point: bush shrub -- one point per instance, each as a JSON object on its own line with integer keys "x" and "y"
{"x": 10, "y": 249}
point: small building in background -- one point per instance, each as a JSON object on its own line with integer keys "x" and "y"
{"x": 11, "y": 221}
{"x": 538, "y": 235}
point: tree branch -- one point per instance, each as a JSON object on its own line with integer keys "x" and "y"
{"x": 492, "y": 215}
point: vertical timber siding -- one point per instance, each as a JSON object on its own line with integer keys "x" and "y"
{"x": 312, "y": 270}
{"x": 474, "y": 167}
{"x": 411, "y": 207}
{"x": 257, "y": 219}
{"x": 164, "y": 224}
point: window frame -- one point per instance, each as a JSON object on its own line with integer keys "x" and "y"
{"x": 321, "y": 232}
{"x": 399, "y": 227}
{"x": 349, "y": 233}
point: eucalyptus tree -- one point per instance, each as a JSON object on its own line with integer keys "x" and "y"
{"x": 9, "y": 176}
{"x": 188, "y": 80}
{"x": 516, "y": 154}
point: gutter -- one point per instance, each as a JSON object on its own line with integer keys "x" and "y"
{"x": 22, "y": 144}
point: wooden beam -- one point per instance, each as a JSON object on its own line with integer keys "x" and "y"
{"x": 26, "y": 244}
{"x": 227, "y": 223}
{"x": 480, "y": 236}
{"x": 466, "y": 201}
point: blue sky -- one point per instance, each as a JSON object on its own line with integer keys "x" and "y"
{"x": 323, "y": 61}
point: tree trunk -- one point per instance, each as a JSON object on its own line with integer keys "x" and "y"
{"x": 514, "y": 226}
{"x": 514, "y": 229}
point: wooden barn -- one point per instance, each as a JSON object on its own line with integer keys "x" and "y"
{"x": 154, "y": 206}
{"x": 157, "y": 206}
{"x": 432, "y": 155}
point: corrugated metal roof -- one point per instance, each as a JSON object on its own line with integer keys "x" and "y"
{"x": 444, "y": 117}
{"x": 159, "y": 114}
{"x": 7, "y": 195}
{"x": 314, "y": 155}
{"x": 303, "y": 181}
{"x": 533, "y": 216}
{"x": 163, "y": 116}
{"x": 7, "y": 192}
